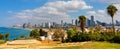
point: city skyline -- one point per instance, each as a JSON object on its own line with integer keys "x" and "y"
{"x": 38, "y": 11}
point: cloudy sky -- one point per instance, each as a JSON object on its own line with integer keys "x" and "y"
{"x": 13, "y": 12}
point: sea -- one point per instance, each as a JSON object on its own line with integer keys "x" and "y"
{"x": 15, "y": 32}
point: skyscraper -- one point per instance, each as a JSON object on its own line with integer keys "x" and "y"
{"x": 117, "y": 23}
{"x": 49, "y": 25}
{"x": 76, "y": 22}
{"x": 92, "y": 18}
{"x": 28, "y": 25}
{"x": 72, "y": 22}
{"x": 88, "y": 22}
{"x": 43, "y": 24}
{"x": 54, "y": 24}
{"x": 62, "y": 23}
{"x": 92, "y": 21}
{"x": 35, "y": 26}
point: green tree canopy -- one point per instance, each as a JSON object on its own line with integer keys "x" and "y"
{"x": 111, "y": 10}
{"x": 35, "y": 33}
{"x": 7, "y": 36}
{"x": 82, "y": 20}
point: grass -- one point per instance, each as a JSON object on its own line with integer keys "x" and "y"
{"x": 103, "y": 45}
{"x": 94, "y": 45}
{"x": 88, "y": 45}
{"x": 2, "y": 41}
{"x": 72, "y": 47}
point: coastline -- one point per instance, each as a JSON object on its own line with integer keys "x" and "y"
{"x": 18, "y": 28}
{"x": 15, "y": 32}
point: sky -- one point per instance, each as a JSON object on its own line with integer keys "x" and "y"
{"x": 14, "y": 12}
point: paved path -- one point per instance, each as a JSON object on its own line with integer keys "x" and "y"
{"x": 64, "y": 45}
{"x": 36, "y": 45}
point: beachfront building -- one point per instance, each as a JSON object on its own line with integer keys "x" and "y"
{"x": 46, "y": 34}
{"x": 50, "y": 34}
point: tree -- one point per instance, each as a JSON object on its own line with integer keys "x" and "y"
{"x": 82, "y": 20}
{"x": 116, "y": 38}
{"x": 59, "y": 34}
{"x": 7, "y": 36}
{"x": 1, "y": 36}
{"x": 22, "y": 36}
{"x": 97, "y": 29}
{"x": 71, "y": 32}
{"x": 34, "y": 33}
{"x": 111, "y": 10}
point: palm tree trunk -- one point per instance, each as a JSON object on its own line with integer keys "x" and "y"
{"x": 82, "y": 27}
{"x": 113, "y": 25}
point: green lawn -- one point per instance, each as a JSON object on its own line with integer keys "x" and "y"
{"x": 94, "y": 45}
{"x": 72, "y": 47}
{"x": 102, "y": 45}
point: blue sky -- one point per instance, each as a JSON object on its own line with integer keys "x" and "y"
{"x": 14, "y": 12}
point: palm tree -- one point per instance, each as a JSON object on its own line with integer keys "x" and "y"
{"x": 82, "y": 20}
{"x": 111, "y": 10}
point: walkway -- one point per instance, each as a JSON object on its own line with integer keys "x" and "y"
{"x": 34, "y": 44}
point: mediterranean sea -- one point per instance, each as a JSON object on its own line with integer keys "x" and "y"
{"x": 14, "y": 32}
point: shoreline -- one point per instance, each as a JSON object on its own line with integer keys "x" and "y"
{"x": 30, "y": 29}
{"x": 15, "y": 32}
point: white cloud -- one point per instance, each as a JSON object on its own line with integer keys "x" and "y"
{"x": 102, "y": 12}
{"x": 48, "y": 14}
{"x": 51, "y": 11}
{"x": 91, "y": 12}
{"x": 117, "y": 15}
{"x": 102, "y": 15}
{"x": 69, "y": 6}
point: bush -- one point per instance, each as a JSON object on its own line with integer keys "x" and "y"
{"x": 22, "y": 36}
{"x": 15, "y": 38}
{"x": 76, "y": 36}
{"x": 71, "y": 34}
{"x": 103, "y": 38}
{"x": 2, "y": 41}
{"x": 35, "y": 33}
{"x": 79, "y": 37}
{"x": 1, "y": 36}
{"x": 116, "y": 39}
{"x": 95, "y": 36}
{"x": 56, "y": 39}
{"x": 7, "y": 36}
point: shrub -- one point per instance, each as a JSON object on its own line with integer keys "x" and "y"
{"x": 59, "y": 34}
{"x": 79, "y": 37}
{"x": 71, "y": 33}
{"x": 76, "y": 36}
{"x": 7, "y": 36}
{"x": 2, "y": 41}
{"x": 15, "y": 38}
{"x": 35, "y": 33}
{"x": 22, "y": 36}
{"x": 116, "y": 39}
{"x": 95, "y": 36}
{"x": 104, "y": 38}
{"x": 1, "y": 36}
